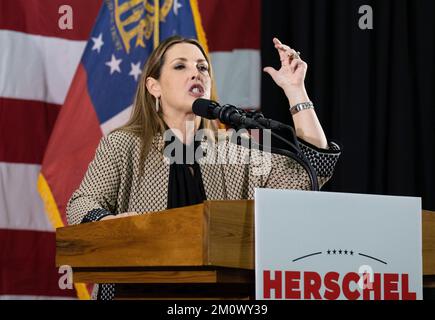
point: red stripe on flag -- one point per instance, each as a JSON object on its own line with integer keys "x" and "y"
{"x": 231, "y": 25}
{"x": 73, "y": 142}
{"x": 25, "y": 127}
{"x": 27, "y": 264}
{"x": 42, "y": 17}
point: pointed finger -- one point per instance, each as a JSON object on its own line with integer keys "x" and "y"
{"x": 276, "y": 41}
{"x": 279, "y": 45}
{"x": 283, "y": 56}
{"x": 286, "y": 54}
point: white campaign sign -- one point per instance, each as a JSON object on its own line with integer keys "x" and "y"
{"x": 323, "y": 245}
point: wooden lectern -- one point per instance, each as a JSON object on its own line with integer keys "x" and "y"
{"x": 204, "y": 251}
{"x": 200, "y": 251}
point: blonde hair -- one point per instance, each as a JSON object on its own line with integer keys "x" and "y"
{"x": 145, "y": 122}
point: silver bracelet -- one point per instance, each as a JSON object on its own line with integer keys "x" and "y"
{"x": 301, "y": 106}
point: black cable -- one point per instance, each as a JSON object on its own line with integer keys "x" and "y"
{"x": 299, "y": 157}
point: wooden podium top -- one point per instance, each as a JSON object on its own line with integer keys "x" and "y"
{"x": 216, "y": 235}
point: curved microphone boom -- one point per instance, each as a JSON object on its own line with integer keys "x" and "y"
{"x": 239, "y": 118}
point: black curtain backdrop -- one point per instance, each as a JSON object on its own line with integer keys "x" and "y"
{"x": 373, "y": 89}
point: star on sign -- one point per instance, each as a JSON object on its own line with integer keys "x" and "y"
{"x": 177, "y": 6}
{"x": 114, "y": 64}
{"x": 98, "y": 43}
{"x": 135, "y": 70}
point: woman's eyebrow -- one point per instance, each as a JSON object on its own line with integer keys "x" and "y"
{"x": 184, "y": 59}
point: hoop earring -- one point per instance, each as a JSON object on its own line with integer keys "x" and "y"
{"x": 157, "y": 104}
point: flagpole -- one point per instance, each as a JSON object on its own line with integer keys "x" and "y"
{"x": 156, "y": 22}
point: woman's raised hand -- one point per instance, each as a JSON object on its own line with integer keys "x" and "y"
{"x": 291, "y": 76}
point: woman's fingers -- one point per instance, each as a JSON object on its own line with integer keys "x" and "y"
{"x": 280, "y": 46}
{"x": 283, "y": 56}
{"x": 296, "y": 64}
{"x": 120, "y": 215}
{"x": 271, "y": 71}
{"x": 108, "y": 217}
{"x": 276, "y": 41}
{"x": 286, "y": 54}
{"x": 130, "y": 213}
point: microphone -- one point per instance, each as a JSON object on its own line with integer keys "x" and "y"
{"x": 235, "y": 117}
{"x": 206, "y": 108}
{"x": 226, "y": 114}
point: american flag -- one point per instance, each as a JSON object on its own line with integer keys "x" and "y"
{"x": 61, "y": 90}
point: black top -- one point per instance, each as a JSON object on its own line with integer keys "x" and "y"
{"x": 185, "y": 185}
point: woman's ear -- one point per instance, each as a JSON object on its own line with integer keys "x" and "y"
{"x": 153, "y": 86}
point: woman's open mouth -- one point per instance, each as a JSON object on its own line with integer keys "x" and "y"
{"x": 196, "y": 90}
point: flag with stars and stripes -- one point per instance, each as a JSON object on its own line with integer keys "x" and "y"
{"x": 101, "y": 94}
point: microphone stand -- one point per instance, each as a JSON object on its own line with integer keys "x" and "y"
{"x": 297, "y": 155}
{"x": 239, "y": 118}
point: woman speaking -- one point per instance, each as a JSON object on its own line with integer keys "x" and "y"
{"x": 133, "y": 172}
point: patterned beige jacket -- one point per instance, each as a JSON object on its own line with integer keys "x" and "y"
{"x": 113, "y": 185}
